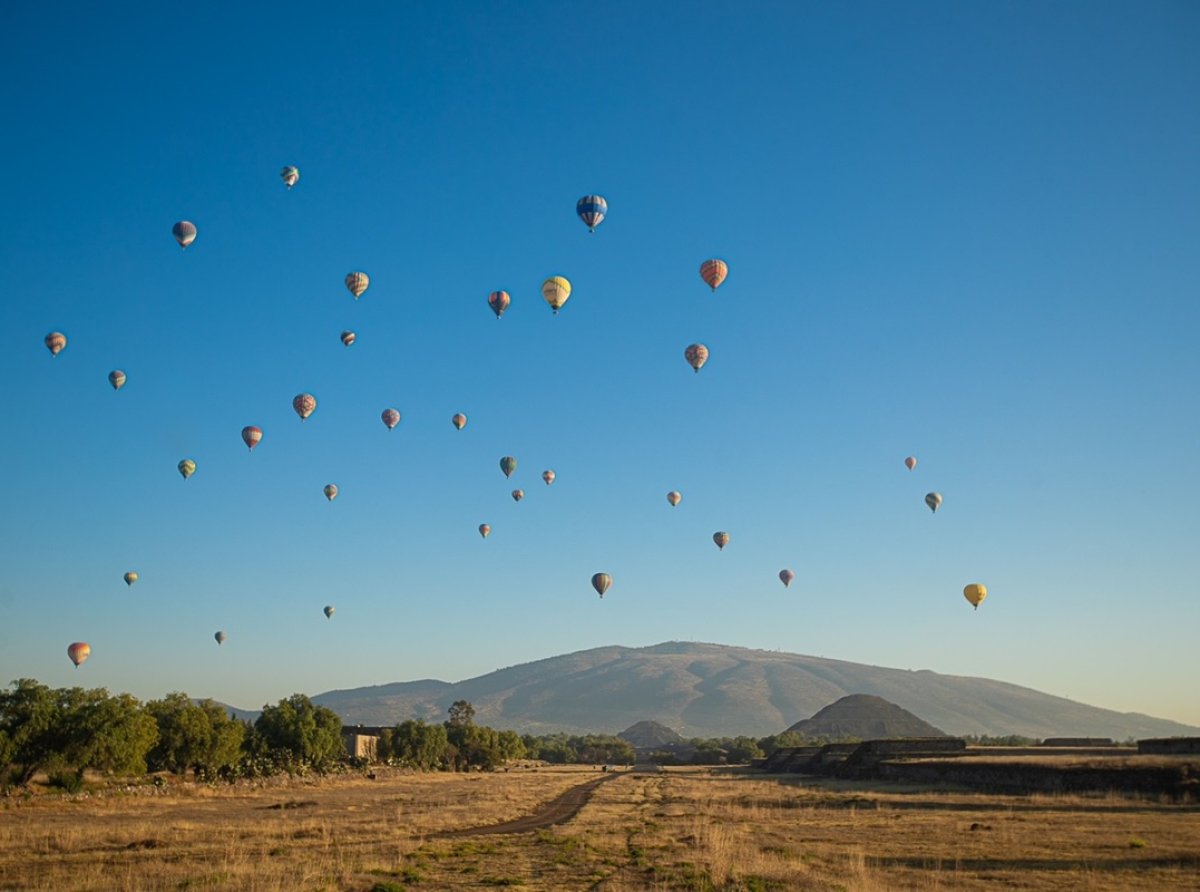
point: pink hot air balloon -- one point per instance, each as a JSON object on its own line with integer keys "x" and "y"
{"x": 910, "y": 462}
{"x": 251, "y": 435}
{"x": 498, "y": 301}
{"x": 78, "y": 652}
{"x": 714, "y": 272}
{"x": 304, "y": 404}
{"x": 390, "y": 417}
{"x": 184, "y": 232}
{"x": 786, "y": 577}
{"x": 696, "y": 355}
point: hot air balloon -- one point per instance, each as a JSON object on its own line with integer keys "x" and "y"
{"x": 251, "y": 435}
{"x": 518, "y": 494}
{"x": 786, "y": 577}
{"x": 933, "y": 500}
{"x": 55, "y": 341}
{"x": 696, "y": 355}
{"x": 131, "y": 577}
{"x": 975, "y": 593}
{"x": 117, "y": 379}
{"x": 291, "y": 175}
{"x": 714, "y": 272}
{"x": 390, "y": 417}
{"x": 722, "y": 539}
{"x": 357, "y": 283}
{"x": 910, "y": 462}
{"x": 591, "y": 210}
{"x": 184, "y": 232}
{"x": 304, "y": 404}
{"x": 330, "y": 491}
{"x": 78, "y": 652}
{"x": 220, "y": 637}
{"x": 601, "y": 583}
{"x": 459, "y": 420}
{"x": 548, "y": 476}
{"x": 674, "y": 498}
{"x": 484, "y": 529}
{"x": 187, "y": 468}
{"x": 556, "y": 290}
{"x": 508, "y": 464}
{"x": 499, "y": 301}
{"x": 348, "y": 337}
{"x": 329, "y": 611}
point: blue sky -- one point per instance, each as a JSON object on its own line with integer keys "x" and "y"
{"x": 966, "y": 232}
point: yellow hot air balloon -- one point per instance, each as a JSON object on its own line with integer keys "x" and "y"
{"x": 721, "y": 538}
{"x": 556, "y": 290}
{"x": 131, "y": 577}
{"x": 187, "y": 468}
{"x": 975, "y": 593}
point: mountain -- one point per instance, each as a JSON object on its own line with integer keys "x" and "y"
{"x": 863, "y": 717}
{"x": 646, "y": 735}
{"x": 710, "y": 690}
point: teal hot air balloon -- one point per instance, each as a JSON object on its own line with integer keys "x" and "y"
{"x": 508, "y": 464}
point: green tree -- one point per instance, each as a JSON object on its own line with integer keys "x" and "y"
{"x": 29, "y": 719}
{"x": 297, "y": 732}
{"x": 462, "y": 713}
{"x": 419, "y": 745}
{"x": 193, "y": 736}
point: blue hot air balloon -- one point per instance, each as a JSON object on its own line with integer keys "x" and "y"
{"x": 591, "y": 210}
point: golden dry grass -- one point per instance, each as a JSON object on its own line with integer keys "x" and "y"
{"x": 683, "y": 829}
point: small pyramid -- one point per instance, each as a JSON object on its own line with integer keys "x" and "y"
{"x": 864, "y": 717}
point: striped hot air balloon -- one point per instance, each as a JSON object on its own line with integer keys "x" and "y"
{"x": 184, "y": 232}
{"x": 601, "y": 582}
{"x": 117, "y": 379}
{"x": 357, "y": 283}
{"x": 934, "y": 501}
{"x": 556, "y": 290}
{"x": 591, "y": 210}
{"x": 696, "y": 355}
{"x": 714, "y": 272}
{"x": 290, "y": 175}
{"x": 391, "y": 417}
{"x": 55, "y": 342}
{"x": 251, "y": 435}
{"x": 78, "y": 652}
{"x": 548, "y": 476}
{"x": 499, "y": 301}
{"x": 187, "y": 468}
{"x": 518, "y": 494}
{"x": 304, "y": 404}
{"x": 348, "y": 337}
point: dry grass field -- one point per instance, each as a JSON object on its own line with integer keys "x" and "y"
{"x": 682, "y": 829}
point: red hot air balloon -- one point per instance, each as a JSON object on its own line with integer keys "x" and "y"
{"x": 251, "y": 435}
{"x": 714, "y": 272}
{"x": 459, "y": 420}
{"x": 184, "y": 232}
{"x": 390, "y": 417}
{"x": 304, "y": 404}
{"x": 55, "y": 341}
{"x": 910, "y": 462}
{"x": 499, "y": 301}
{"x": 696, "y": 355}
{"x": 348, "y": 337}
{"x": 484, "y": 530}
{"x": 78, "y": 652}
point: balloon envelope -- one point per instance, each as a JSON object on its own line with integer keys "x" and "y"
{"x": 499, "y": 301}
{"x": 548, "y": 476}
{"x": 601, "y": 583}
{"x": 251, "y": 435}
{"x": 518, "y": 494}
{"x": 714, "y": 272}
{"x": 556, "y": 290}
{"x": 290, "y": 175}
{"x": 484, "y": 529}
{"x": 117, "y": 379}
{"x": 55, "y": 341}
{"x": 330, "y": 491}
{"x": 357, "y": 283}
{"x": 591, "y": 210}
{"x": 674, "y": 498}
{"x": 348, "y": 337}
{"x": 459, "y": 420}
{"x": 786, "y": 577}
{"x": 131, "y": 578}
{"x": 722, "y": 539}
{"x": 187, "y": 468}
{"x": 934, "y": 501}
{"x": 220, "y": 637}
{"x": 391, "y": 418}
{"x": 304, "y": 404}
{"x": 975, "y": 593}
{"x": 696, "y": 355}
{"x": 910, "y": 462}
{"x": 78, "y": 652}
{"x": 508, "y": 464}
{"x": 184, "y": 232}
{"x": 329, "y": 611}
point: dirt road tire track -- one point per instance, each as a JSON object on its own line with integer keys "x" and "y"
{"x": 559, "y": 809}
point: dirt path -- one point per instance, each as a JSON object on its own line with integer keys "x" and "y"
{"x": 562, "y": 808}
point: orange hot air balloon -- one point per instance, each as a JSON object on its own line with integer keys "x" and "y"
{"x": 459, "y": 421}
{"x": 518, "y": 494}
{"x": 357, "y": 283}
{"x": 910, "y": 462}
{"x": 78, "y": 652}
{"x": 499, "y": 301}
{"x": 348, "y": 337}
{"x": 304, "y": 404}
{"x": 251, "y": 435}
{"x": 601, "y": 582}
{"x": 714, "y": 272}
{"x": 548, "y": 476}
{"x": 786, "y": 577}
{"x": 390, "y": 417}
{"x": 696, "y": 355}
{"x": 55, "y": 341}
{"x": 674, "y": 498}
{"x": 722, "y": 539}
{"x": 484, "y": 529}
